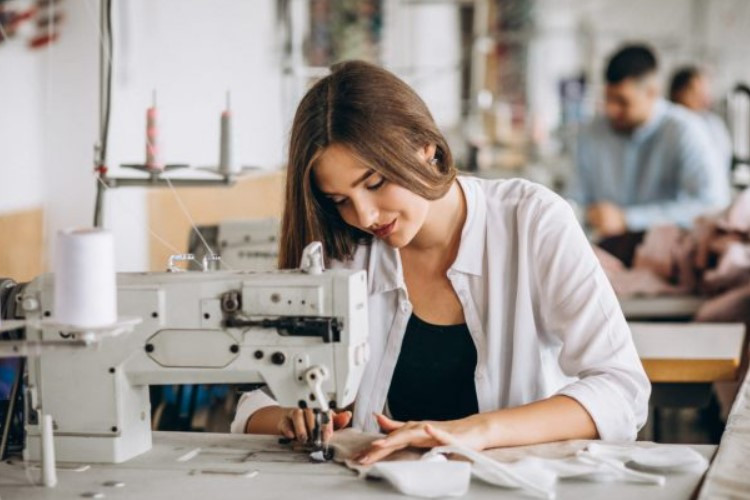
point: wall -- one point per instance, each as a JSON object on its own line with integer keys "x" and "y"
{"x": 22, "y": 131}
{"x": 421, "y": 44}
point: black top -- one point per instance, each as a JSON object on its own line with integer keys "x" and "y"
{"x": 434, "y": 375}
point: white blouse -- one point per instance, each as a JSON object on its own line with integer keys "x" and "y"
{"x": 543, "y": 317}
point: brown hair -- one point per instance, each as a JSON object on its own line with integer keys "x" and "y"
{"x": 382, "y": 121}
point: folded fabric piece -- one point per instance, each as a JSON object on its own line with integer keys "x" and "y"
{"x": 532, "y": 469}
{"x": 703, "y": 233}
{"x": 529, "y": 476}
{"x": 640, "y": 282}
{"x": 609, "y": 262}
{"x": 656, "y": 252}
{"x": 348, "y": 443}
{"x": 733, "y": 268}
{"x": 713, "y": 259}
{"x": 737, "y": 216}
{"x": 434, "y": 478}
{"x": 565, "y": 458}
{"x": 663, "y": 265}
{"x": 558, "y": 449}
{"x": 537, "y": 476}
{"x": 660, "y": 458}
{"x": 730, "y": 306}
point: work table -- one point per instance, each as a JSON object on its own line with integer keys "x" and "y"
{"x": 240, "y": 466}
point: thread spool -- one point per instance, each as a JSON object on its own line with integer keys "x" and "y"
{"x": 226, "y": 164}
{"x": 153, "y": 156}
{"x": 85, "y": 281}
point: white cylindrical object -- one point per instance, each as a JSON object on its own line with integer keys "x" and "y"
{"x": 226, "y": 165}
{"x": 49, "y": 473}
{"x": 85, "y": 280}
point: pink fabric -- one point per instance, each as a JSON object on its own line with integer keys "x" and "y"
{"x": 733, "y": 268}
{"x": 609, "y": 262}
{"x": 737, "y": 216}
{"x": 730, "y": 306}
{"x": 640, "y": 282}
{"x": 712, "y": 258}
{"x": 657, "y": 252}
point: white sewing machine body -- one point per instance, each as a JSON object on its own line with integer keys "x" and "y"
{"x": 198, "y": 327}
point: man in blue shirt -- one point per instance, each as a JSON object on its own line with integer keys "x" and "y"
{"x": 646, "y": 161}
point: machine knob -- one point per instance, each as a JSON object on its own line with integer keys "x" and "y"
{"x": 30, "y": 304}
{"x": 278, "y": 358}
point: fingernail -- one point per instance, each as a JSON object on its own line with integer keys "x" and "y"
{"x": 364, "y": 459}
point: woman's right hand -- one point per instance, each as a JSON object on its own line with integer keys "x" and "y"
{"x": 299, "y": 424}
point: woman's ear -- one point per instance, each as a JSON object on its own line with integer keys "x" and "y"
{"x": 428, "y": 152}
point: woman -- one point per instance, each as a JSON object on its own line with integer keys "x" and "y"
{"x": 491, "y": 321}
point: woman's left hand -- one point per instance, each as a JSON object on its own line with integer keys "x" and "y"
{"x": 425, "y": 434}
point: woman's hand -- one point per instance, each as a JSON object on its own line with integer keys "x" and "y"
{"x": 299, "y": 424}
{"x": 467, "y": 431}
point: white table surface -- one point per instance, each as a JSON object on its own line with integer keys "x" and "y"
{"x": 661, "y": 307}
{"x": 689, "y": 340}
{"x": 281, "y": 474}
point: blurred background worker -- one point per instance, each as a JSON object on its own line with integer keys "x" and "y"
{"x": 646, "y": 161}
{"x": 690, "y": 88}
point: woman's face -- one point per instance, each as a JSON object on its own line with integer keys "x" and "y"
{"x": 366, "y": 200}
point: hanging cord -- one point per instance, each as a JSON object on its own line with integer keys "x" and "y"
{"x": 104, "y": 28}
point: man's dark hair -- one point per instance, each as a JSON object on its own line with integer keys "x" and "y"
{"x": 632, "y": 61}
{"x": 681, "y": 80}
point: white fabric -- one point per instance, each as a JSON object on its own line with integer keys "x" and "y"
{"x": 426, "y": 478}
{"x": 532, "y": 477}
{"x": 535, "y": 476}
{"x": 661, "y": 458}
{"x": 533, "y": 469}
{"x": 541, "y": 312}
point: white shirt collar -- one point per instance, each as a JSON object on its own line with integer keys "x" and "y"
{"x": 471, "y": 254}
{"x": 385, "y": 271}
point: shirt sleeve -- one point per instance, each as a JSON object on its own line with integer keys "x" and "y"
{"x": 579, "y": 307}
{"x": 249, "y": 403}
{"x": 703, "y": 182}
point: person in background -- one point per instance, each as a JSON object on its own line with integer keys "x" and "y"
{"x": 646, "y": 161}
{"x": 690, "y": 88}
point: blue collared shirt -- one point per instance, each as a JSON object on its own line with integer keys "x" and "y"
{"x": 662, "y": 172}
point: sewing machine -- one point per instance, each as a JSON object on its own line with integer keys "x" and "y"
{"x": 302, "y": 332}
